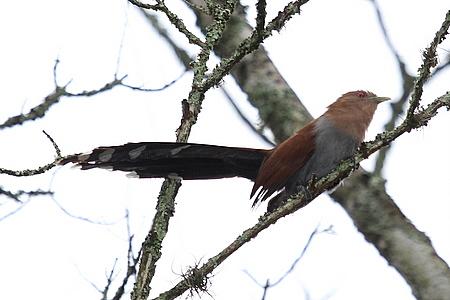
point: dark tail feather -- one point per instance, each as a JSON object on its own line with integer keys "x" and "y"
{"x": 186, "y": 160}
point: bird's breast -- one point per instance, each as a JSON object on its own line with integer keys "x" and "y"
{"x": 331, "y": 146}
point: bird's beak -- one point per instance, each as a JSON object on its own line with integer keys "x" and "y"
{"x": 379, "y": 99}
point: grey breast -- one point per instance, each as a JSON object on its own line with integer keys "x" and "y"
{"x": 331, "y": 146}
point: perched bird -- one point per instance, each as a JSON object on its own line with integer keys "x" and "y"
{"x": 280, "y": 172}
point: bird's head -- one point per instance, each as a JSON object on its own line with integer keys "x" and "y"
{"x": 353, "y": 111}
{"x": 359, "y": 99}
{"x": 357, "y": 102}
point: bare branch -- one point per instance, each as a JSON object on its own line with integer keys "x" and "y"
{"x": 261, "y": 15}
{"x": 182, "y": 55}
{"x": 20, "y": 193}
{"x": 442, "y": 66}
{"x": 36, "y": 112}
{"x": 39, "y": 170}
{"x": 16, "y": 196}
{"x": 29, "y": 172}
{"x": 108, "y": 86}
{"x": 81, "y": 218}
{"x": 55, "y": 67}
{"x": 40, "y": 110}
{"x": 267, "y": 285}
{"x": 313, "y": 234}
{"x": 257, "y": 131}
{"x": 109, "y": 280}
{"x": 429, "y": 61}
{"x": 131, "y": 270}
{"x": 132, "y": 262}
{"x": 401, "y": 64}
{"x": 55, "y": 146}
{"x": 173, "y": 18}
{"x": 143, "y": 89}
{"x": 13, "y": 212}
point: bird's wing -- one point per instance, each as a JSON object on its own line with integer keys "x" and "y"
{"x": 283, "y": 162}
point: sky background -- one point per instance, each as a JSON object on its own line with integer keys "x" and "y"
{"x": 331, "y": 48}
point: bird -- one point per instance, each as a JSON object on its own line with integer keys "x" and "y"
{"x": 312, "y": 152}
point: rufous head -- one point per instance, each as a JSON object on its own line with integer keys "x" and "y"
{"x": 353, "y": 111}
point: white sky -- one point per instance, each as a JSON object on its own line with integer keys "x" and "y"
{"x": 332, "y": 47}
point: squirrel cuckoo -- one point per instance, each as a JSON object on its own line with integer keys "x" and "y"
{"x": 314, "y": 150}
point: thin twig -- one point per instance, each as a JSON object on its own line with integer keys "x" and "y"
{"x": 182, "y": 55}
{"x": 267, "y": 285}
{"x": 55, "y": 66}
{"x": 442, "y": 66}
{"x": 245, "y": 119}
{"x": 429, "y": 61}
{"x": 401, "y": 64}
{"x": 316, "y": 231}
{"x": 173, "y": 18}
{"x": 13, "y": 212}
{"x": 122, "y": 38}
{"x": 132, "y": 262}
{"x": 81, "y": 218}
{"x": 55, "y": 146}
{"x": 144, "y": 89}
{"x": 17, "y": 195}
{"x": 40, "y": 110}
{"x": 109, "y": 280}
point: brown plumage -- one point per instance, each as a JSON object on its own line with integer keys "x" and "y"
{"x": 313, "y": 151}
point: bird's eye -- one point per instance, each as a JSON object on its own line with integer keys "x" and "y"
{"x": 361, "y": 94}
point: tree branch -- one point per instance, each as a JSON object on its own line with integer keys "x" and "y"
{"x": 54, "y": 97}
{"x": 429, "y": 61}
{"x": 173, "y": 18}
{"x": 20, "y": 193}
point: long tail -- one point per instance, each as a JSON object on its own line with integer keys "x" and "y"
{"x": 185, "y": 160}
